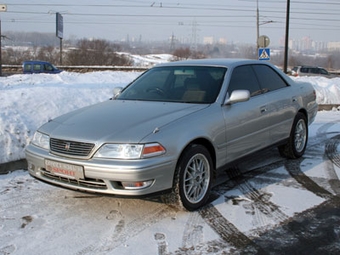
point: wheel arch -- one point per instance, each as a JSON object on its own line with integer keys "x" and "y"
{"x": 208, "y": 145}
{"x": 304, "y": 112}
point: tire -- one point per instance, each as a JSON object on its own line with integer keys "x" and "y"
{"x": 297, "y": 142}
{"x": 193, "y": 179}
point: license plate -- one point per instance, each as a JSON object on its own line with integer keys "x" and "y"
{"x": 64, "y": 170}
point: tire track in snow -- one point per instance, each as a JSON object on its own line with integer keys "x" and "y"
{"x": 261, "y": 202}
{"x": 226, "y": 230}
{"x": 313, "y": 231}
{"x": 260, "y": 205}
{"x": 331, "y": 150}
{"x": 193, "y": 231}
{"x": 332, "y": 153}
{"x": 294, "y": 169}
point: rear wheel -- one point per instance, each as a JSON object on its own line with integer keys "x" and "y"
{"x": 297, "y": 142}
{"x": 193, "y": 178}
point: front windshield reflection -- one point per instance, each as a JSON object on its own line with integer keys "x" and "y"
{"x": 186, "y": 84}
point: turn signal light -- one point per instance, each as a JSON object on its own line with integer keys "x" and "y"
{"x": 152, "y": 149}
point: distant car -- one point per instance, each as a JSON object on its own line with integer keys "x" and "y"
{"x": 310, "y": 71}
{"x": 173, "y": 128}
{"x": 39, "y": 67}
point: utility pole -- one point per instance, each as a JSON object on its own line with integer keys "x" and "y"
{"x": 285, "y": 65}
{"x": 3, "y": 8}
{"x": 257, "y": 24}
{"x": 194, "y": 36}
{"x": 0, "y": 50}
{"x": 59, "y": 34}
{"x": 172, "y": 42}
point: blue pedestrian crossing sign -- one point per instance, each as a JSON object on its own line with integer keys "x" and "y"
{"x": 264, "y": 54}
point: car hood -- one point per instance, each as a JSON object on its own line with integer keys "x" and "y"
{"x": 117, "y": 121}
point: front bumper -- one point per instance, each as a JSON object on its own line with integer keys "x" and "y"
{"x": 104, "y": 176}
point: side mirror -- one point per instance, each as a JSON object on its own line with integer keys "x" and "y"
{"x": 116, "y": 91}
{"x": 238, "y": 96}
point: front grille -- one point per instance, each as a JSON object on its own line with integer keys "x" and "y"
{"x": 85, "y": 183}
{"x": 71, "y": 148}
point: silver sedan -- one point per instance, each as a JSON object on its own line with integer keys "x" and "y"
{"x": 173, "y": 128}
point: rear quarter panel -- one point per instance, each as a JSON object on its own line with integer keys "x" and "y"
{"x": 307, "y": 100}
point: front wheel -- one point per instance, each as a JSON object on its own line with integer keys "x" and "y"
{"x": 297, "y": 142}
{"x": 193, "y": 178}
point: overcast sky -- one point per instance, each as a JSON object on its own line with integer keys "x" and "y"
{"x": 148, "y": 20}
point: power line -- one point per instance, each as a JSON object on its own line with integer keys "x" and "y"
{"x": 219, "y": 14}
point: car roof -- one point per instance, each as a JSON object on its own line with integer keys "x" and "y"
{"x": 37, "y": 62}
{"x": 310, "y": 67}
{"x": 223, "y": 62}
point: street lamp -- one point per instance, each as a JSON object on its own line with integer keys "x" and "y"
{"x": 3, "y": 8}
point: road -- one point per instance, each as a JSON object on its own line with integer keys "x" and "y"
{"x": 262, "y": 205}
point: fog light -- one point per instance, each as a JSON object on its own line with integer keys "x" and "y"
{"x": 30, "y": 166}
{"x": 137, "y": 185}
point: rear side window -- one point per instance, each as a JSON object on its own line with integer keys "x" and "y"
{"x": 27, "y": 67}
{"x": 36, "y": 67}
{"x": 304, "y": 70}
{"x": 314, "y": 70}
{"x": 269, "y": 79}
{"x": 243, "y": 77}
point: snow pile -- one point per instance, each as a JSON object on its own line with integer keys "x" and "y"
{"x": 148, "y": 60}
{"x": 28, "y": 101}
{"x": 151, "y": 59}
{"x": 327, "y": 90}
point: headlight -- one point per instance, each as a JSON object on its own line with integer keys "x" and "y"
{"x": 130, "y": 151}
{"x": 41, "y": 140}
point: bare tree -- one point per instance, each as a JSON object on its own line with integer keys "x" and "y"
{"x": 15, "y": 57}
{"x": 181, "y": 53}
{"x": 95, "y": 52}
{"x": 49, "y": 53}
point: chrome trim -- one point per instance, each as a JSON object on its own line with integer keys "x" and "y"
{"x": 84, "y": 183}
{"x": 70, "y": 148}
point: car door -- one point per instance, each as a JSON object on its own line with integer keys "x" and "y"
{"x": 281, "y": 103}
{"x": 246, "y": 122}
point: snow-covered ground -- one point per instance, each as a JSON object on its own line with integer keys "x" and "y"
{"x": 36, "y": 218}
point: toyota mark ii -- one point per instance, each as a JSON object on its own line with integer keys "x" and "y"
{"x": 173, "y": 128}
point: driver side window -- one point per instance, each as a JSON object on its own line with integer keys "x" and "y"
{"x": 243, "y": 77}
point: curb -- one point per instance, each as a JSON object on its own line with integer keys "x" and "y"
{"x": 8, "y": 167}
{"x": 328, "y": 107}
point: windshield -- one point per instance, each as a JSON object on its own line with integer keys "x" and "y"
{"x": 186, "y": 84}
